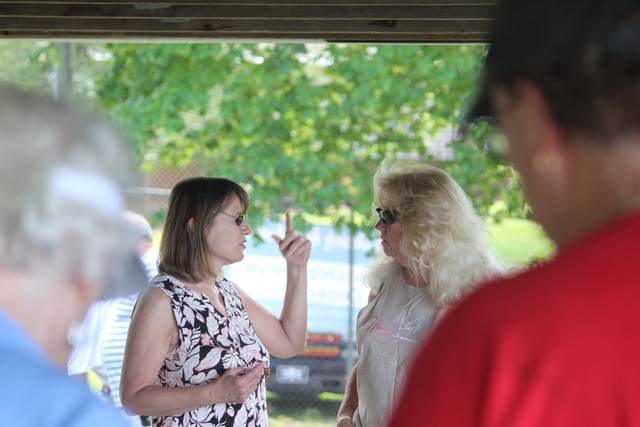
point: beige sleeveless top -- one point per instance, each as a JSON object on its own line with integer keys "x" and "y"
{"x": 389, "y": 330}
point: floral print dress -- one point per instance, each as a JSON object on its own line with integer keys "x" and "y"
{"x": 209, "y": 344}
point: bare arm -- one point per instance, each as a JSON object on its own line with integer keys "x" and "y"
{"x": 152, "y": 335}
{"x": 350, "y": 401}
{"x": 285, "y": 336}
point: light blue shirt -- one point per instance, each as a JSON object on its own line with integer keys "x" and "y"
{"x": 34, "y": 393}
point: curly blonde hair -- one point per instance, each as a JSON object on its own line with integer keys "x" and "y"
{"x": 443, "y": 237}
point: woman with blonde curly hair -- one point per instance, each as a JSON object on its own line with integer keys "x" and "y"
{"x": 434, "y": 253}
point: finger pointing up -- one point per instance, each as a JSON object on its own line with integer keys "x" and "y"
{"x": 289, "y": 222}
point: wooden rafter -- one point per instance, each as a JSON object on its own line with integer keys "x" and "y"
{"x": 367, "y": 21}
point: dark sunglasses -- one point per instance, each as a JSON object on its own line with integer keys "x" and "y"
{"x": 388, "y": 217}
{"x": 238, "y": 219}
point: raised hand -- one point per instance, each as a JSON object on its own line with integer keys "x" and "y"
{"x": 295, "y": 247}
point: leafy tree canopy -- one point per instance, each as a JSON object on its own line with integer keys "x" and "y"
{"x": 301, "y": 126}
{"x": 304, "y": 125}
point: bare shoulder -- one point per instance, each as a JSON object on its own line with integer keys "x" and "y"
{"x": 236, "y": 287}
{"x": 242, "y": 294}
{"x": 154, "y": 318}
{"x": 153, "y": 301}
{"x": 255, "y": 310}
{"x": 152, "y": 295}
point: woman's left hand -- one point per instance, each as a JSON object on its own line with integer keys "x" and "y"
{"x": 295, "y": 247}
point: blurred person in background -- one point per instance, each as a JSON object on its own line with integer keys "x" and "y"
{"x": 145, "y": 250}
{"x": 198, "y": 345}
{"x": 557, "y": 345}
{"x": 63, "y": 244}
{"x": 103, "y": 333}
{"x": 434, "y": 254}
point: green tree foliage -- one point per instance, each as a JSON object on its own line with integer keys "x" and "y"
{"x": 28, "y": 65}
{"x": 32, "y": 66}
{"x": 298, "y": 125}
{"x": 304, "y": 125}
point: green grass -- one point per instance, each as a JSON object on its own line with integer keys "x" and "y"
{"x": 303, "y": 411}
{"x": 518, "y": 241}
{"x": 283, "y": 421}
{"x": 157, "y": 237}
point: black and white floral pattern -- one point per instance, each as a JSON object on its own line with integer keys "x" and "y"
{"x": 209, "y": 344}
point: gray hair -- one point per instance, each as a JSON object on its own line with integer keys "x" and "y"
{"x": 140, "y": 224}
{"x": 60, "y": 199}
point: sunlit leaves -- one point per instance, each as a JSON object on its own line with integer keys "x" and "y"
{"x": 302, "y": 126}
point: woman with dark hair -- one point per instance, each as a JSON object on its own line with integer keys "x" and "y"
{"x": 198, "y": 346}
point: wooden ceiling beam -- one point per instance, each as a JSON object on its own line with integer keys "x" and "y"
{"x": 309, "y": 26}
{"x": 89, "y": 11}
{"x": 240, "y": 37}
{"x": 269, "y": 2}
{"x": 411, "y": 21}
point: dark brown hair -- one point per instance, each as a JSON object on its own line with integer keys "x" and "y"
{"x": 595, "y": 90}
{"x": 596, "y": 97}
{"x": 183, "y": 251}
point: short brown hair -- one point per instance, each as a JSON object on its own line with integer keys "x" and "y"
{"x": 597, "y": 96}
{"x": 183, "y": 251}
{"x": 583, "y": 56}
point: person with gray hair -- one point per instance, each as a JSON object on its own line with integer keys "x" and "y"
{"x": 140, "y": 224}
{"x": 146, "y": 251}
{"x": 103, "y": 334}
{"x": 63, "y": 243}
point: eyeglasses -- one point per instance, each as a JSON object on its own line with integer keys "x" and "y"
{"x": 388, "y": 217}
{"x": 238, "y": 219}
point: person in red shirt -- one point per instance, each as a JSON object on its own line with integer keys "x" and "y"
{"x": 558, "y": 344}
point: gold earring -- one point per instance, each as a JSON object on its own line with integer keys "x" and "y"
{"x": 540, "y": 163}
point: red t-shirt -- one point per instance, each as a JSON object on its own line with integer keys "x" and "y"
{"x": 558, "y": 345}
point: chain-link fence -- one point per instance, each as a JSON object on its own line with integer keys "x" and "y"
{"x": 151, "y": 200}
